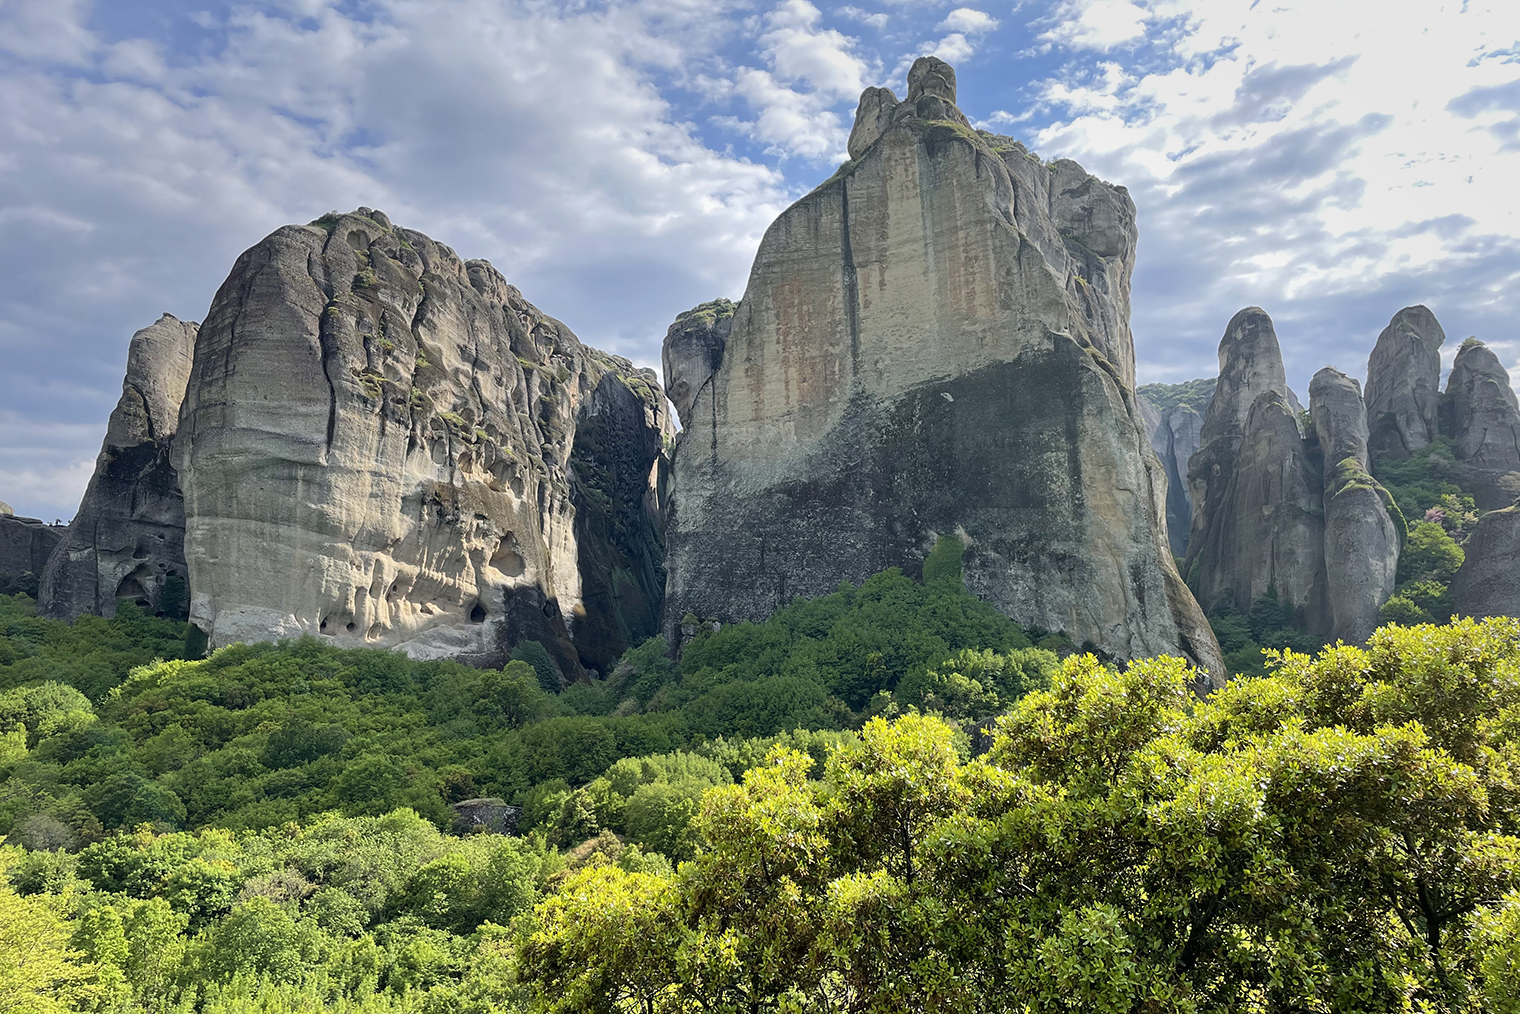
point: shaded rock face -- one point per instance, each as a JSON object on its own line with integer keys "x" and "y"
{"x": 127, "y": 539}
{"x": 935, "y": 342}
{"x": 375, "y": 447}
{"x": 1483, "y": 421}
{"x": 1257, "y": 514}
{"x": 1403, "y": 384}
{"x": 619, "y": 466}
{"x": 1361, "y": 536}
{"x": 692, "y": 350}
{"x": 1175, "y": 435}
{"x": 1488, "y": 584}
{"x": 25, "y": 545}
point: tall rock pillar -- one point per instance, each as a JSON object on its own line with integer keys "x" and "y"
{"x": 934, "y": 342}
{"x": 1404, "y": 384}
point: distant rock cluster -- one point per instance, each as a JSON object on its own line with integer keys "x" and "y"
{"x": 1285, "y": 503}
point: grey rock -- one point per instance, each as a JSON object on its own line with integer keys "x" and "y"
{"x": 486, "y": 816}
{"x": 1175, "y": 434}
{"x": 127, "y": 539}
{"x": 1484, "y": 425}
{"x": 911, "y": 360}
{"x": 1488, "y": 584}
{"x": 375, "y": 447}
{"x": 1361, "y": 536}
{"x": 692, "y": 350}
{"x": 25, "y": 545}
{"x": 1403, "y": 384}
{"x": 1257, "y": 513}
{"x": 873, "y": 116}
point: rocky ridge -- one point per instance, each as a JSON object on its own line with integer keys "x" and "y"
{"x": 934, "y": 343}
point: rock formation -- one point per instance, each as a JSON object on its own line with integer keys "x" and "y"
{"x": 692, "y": 351}
{"x": 25, "y": 545}
{"x": 375, "y": 445}
{"x": 1488, "y": 584}
{"x": 1483, "y": 421}
{"x": 1173, "y": 416}
{"x": 127, "y": 539}
{"x": 1361, "y": 536}
{"x": 1404, "y": 384}
{"x": 1258, "y": 521}
{"x": 934, "y": 342}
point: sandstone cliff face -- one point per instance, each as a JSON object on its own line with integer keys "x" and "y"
{"x": 375, "y": 446}
{"x": 1361, "y": 537}
{"x": 1403, "y": 384}
{"x": 1258, "y": 519}
{"x": 934, "y": 342}
{"x": 127, "y": 540}
{"x": 692, "y": 350}
{"x": 1483, "y": 420}
{"x": 1488, "y": 584}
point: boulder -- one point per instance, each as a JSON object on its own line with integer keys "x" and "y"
{"x": 1483, "y": 422}
{"x": 1258, "y": 520}
{"x": 127, "y": 539}
{"x": 1488, "y": 583}
{"x": 1361, "y": 535}
{"x": 375, "y": 448}
{"x": 1403, "y": 384}
{"x": 935, "y": 343}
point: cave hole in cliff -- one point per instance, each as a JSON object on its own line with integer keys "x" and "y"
{"x": 322, "y": 626}
{"x": 506, "y": 558}
{"x": 478, "y": 614}
{"x": 132, "y": 587}
{"x": 351, "y": 627}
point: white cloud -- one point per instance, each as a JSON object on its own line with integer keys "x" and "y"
{"x": 877, "y": 19}
{"x": 968, "y": 21}
{"x": 1096, "y": 24}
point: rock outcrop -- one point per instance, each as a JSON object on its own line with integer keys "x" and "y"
{"x": 1173, "y": 416}
{"x": 935, "y": 342}
{"x": 1404, "y": 384}
{"x": 692, "y": 350}
{"x": 1483, "y": 421}
{"x": 25, "y": 545}
{"x": 1258, "y": 521}
{"x": 1361, "y": 536}
{"x": 1488, "y": 584}
{"x": 375, "y": 446}
{"x": 127, "y": 539}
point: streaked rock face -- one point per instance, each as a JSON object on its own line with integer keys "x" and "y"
{"x": 375, "y": 447}
{"x": 1361, "y": 537}
{"x": 1257, "y": 515}
{"x": 1404, "y": 384}
{"x": 127, "y": 539}
{"x": 1176, "y": 434}
{"x": 25, "y": 545}
{"x": 935, "y": 342}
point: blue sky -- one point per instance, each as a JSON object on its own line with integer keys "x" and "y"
{"x": 1331, "y": 161}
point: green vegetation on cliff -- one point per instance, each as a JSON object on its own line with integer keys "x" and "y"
{"x": 1195, "y": 394}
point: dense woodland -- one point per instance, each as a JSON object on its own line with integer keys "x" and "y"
{"x": 790, "y": 817}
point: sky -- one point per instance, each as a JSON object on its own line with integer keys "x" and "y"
{"x": 1331, "y": 161}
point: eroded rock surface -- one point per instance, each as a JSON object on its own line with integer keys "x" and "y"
{"x": 375, "y": 447}
{"x": 127, "y": 539}
{"x": 935, "y": 342}
{"x": 25, "y": 545}
{"x": 1257, "y": 514}
{"x": 1176, "y": 434}
{"x": 1484, "y": 424}
{"x": 692, "y": 350}
{"x": 1403, "y": 384}
{"x": 1361, "y": 536}
{"x": 1488, "y": 584}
